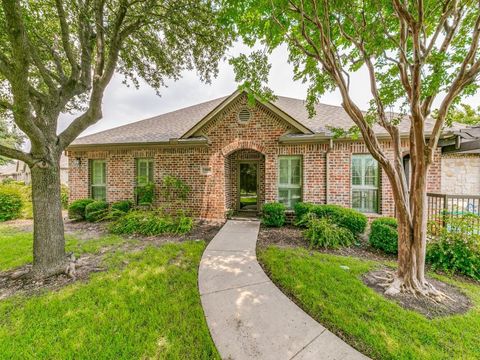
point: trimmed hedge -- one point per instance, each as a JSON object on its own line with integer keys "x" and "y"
{"x": 11, "y": 203}
{"x": 76, "y": 210}
{"x": 384, "y": 235}
{"x": 96, "y": 211}
{"x": 351, "y": 219}
{"x": 322, "y": 232}
{"x": 273, "y": 214}
{"x": 122, "y": 205}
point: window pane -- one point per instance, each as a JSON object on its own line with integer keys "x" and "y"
{"x": 150, "y": 171}
{"x": 99, "y": 193}
{"x": 296, "y": 172}
{"x": 98, "y": 172}
{"x": 357, "y": 199}
{"x": 283, "y": 171}
{"x": 295, "y": 196}
{"x": 370, "y": 203}
{"x": 364, "y": 183}
{"x": 371, "y": 172}
{"x": 283, "y": 196}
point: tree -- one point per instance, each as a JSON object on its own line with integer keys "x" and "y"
{"x": 417, "y": 54}
{"x": 465, "y": 114}
{"x": 9, "y": 136}
{"x": 59, "y": 55}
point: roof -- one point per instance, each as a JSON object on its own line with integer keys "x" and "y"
{"x": 8, "y": 169}
{"x": 175, "y": 124}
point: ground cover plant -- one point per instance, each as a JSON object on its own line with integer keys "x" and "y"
{"x": 324, "y": 233}
{"x": 330, "y": 288}
{"x": 154, "y": 222}
{"x": 145, "y": 305}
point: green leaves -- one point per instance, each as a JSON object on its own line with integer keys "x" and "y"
{"x": 252, "y": 73}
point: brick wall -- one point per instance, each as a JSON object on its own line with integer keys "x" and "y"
{"x": 229, "y": 141}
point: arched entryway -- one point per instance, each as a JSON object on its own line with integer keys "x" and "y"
{"x": 245, "y": 180}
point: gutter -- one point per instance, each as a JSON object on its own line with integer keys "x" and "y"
{"x": 327, "y": 172}
{"x": 171, "y": 142}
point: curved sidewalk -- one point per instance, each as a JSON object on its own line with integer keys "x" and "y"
{"x": 248, "y": 316}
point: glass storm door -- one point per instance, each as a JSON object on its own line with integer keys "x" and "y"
{"x": 248, "y": 184}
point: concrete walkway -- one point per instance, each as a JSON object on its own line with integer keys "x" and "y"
{"x": 248, "y": 316}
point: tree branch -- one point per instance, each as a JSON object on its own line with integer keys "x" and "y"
{"x": 16, "y": 154}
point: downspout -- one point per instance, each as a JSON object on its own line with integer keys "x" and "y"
{"x": 327, "y": 161}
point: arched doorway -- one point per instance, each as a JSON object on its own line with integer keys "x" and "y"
{"x": 245, "y": 181}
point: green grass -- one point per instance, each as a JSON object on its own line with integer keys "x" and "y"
{"x": 16, "y": 246}
{"x": 148, "y": 309}
{"x": 338, "y": 299}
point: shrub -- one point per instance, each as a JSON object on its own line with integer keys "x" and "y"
{"x": 174, "y": 189}
{"x": 384, "y": 235}
{"x": 322, "y": 232}
{"x": 456, "y": 249}
{"x": 122, "y": 205}
{"x": 11, "y": 203}
{"x": 273, "y": 214}
{"x": 96, "y": 211}
{"x": 64, "y": 196}
{"x": 151, "y": 223}
{"x": 145, "y": 194}
{"x": 351, "y": 219}
{"x": 76, "y": 210}
{"x": 301, "y": 209}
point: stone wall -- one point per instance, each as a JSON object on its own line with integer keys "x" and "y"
{"x": 461, "y": 174}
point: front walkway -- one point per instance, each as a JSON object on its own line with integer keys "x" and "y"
{"x": 248, "y": 316}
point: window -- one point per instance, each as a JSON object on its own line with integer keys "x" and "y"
{"x": 98, "y": 179}
{"x": 144, "y": 171}
{"x": 364, "y": 183}
{"x": 290, "y": 180}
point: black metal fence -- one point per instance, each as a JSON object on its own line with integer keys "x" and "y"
{"x": 443, "y": 207}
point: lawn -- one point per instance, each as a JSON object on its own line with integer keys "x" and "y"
{"x": 146, "y": 305}
{"x": 381, "y": 329}
{"x": 16, "y": 246}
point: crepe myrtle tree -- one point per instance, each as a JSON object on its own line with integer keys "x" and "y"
{"x": 59, "y": 56}
{"x": 420, "y": 56}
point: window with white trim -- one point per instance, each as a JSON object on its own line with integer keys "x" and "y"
{"x": 289, "y": 180}
{"x": 98, "y": 179}
{"x": 364, "y": 183}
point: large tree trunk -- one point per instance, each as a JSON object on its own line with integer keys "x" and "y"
{"x": 48, "y": 240}
{"x": 412, "y": 240}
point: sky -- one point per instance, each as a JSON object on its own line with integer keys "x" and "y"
{"x": 122, "y": 104}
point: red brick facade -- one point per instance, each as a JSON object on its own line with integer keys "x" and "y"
{"x": 211, "y": 170}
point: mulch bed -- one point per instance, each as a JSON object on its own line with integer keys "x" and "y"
{"x": 458, "y": 303}
{"x": 17, "y": 282}
{"x": 291, "y": 236}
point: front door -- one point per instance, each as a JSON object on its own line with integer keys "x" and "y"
{"x": 248, "y": 186}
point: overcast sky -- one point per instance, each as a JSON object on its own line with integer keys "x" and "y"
{"x": 124, "y": 105}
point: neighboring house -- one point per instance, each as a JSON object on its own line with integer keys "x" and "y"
{"x": 236, "y": 158}
{"x": 19, "y": 171}
{"x": 461, "y": 162}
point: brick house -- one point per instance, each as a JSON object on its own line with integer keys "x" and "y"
{"x": 236, "y": 157}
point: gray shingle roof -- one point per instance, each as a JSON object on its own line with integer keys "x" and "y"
{"x": 174, "y": 124}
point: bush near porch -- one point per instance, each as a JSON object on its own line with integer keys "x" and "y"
{"x": 350, "y": 219}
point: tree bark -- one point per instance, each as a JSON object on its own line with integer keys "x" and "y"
{"x": 48, "y": 231}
